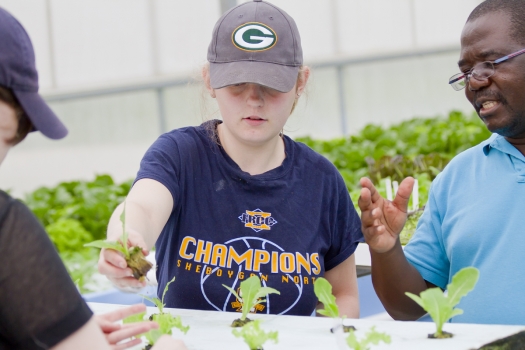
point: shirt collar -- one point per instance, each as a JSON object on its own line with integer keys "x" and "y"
{"x": 498, "y": 142}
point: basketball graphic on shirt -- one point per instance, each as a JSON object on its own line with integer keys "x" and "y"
{"x": 214, "y": 276}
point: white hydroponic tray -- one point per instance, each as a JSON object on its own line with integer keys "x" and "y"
{"x": 211, "y": 330}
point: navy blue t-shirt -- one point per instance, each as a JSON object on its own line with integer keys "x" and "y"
{"x": 287, "y": 226}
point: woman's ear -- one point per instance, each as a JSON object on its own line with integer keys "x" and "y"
{"x": 206, "y": 78}
{"x": 304, "y": 74}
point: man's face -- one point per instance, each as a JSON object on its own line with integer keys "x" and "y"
{"x": 500, "y": 99}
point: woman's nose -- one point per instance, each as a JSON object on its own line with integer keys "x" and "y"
{"x": 255, "y": 94}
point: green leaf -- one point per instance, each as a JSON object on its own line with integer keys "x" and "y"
{"x": 158, "y": 303}
{"x": 134, "y": 318}
{"x": 106, "y": 244}
{"x": 166, "y": 289}
{"x": 323, "y": 291}
{"x": 167, "y": 321}
{"x": 441, "y": 307}
{"x": 124, "y": 232}
{"x": 371, "y": 337}
{"x": 233, "y": 292}
{"x": 251, "y": 292}
{"x": 462, "y": 283}
{"x": 254, "y": 336}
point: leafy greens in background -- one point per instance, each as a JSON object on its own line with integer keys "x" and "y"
{"x": 415, "y": 140}
{"x": 75, "y": 213}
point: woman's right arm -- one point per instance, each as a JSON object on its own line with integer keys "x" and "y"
{"x": 148, "y": 208}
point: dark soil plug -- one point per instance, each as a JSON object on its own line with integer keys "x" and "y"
{"x": 138, "y": 263}
{"x": 239, "y": 323}
{"x": 444, "y": 335}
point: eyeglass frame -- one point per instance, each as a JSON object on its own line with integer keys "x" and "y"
{"x": 466, "y": 76}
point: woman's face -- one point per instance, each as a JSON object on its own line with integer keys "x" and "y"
{"x": 8, "y": 128}
{"x": 255, "y": 114}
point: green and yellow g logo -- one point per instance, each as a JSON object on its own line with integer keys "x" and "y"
{"x": 254, "y": 36}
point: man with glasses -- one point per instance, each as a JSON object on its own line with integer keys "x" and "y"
{"x": 475, "y": 215}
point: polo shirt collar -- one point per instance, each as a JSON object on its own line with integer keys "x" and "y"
{"x": 498, "y": 142}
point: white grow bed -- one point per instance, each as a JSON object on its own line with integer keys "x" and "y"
{"x": 210, "y": 330}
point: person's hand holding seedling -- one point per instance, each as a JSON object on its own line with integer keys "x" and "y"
{"x": 123, "y": 261}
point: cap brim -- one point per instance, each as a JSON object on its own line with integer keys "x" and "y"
{"x": 41, "y": 116}
{"x": 275, "y": 76}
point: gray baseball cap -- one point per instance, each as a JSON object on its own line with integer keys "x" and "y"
{"x": 255, "y": 42}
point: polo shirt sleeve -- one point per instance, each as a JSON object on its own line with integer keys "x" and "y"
{"x": 426, "y": 250}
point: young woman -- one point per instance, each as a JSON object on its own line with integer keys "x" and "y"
{"x": 234, "y": 198}
{"x": 40, "y": 307}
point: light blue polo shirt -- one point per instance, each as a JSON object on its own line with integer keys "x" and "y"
{"x": 475, "y": 216}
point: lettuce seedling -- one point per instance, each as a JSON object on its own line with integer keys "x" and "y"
{"x": 165, "y": 320}
{"x": 323, "y": 292}
{"x": 134, "y": 256}
{"x": 251, "y": 292}
{"x": 159, "y": 303}
{"x": 254, "y": 336}
{"x": 441, "y": 307}
{"x": 371, "y": 337}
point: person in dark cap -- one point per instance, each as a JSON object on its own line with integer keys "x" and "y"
{"x": 40, "y": 307}
{"x": 235, "y": 198}
{"x": 475, "y": 212}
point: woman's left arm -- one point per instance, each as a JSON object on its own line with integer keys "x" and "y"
{"x": 343, "y": 279}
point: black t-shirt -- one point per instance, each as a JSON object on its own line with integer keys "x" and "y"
{"x": 39, "y": 304}
{"x": 287, "y": 226}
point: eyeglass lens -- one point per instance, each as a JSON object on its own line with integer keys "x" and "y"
{"x": 481, "y": 71}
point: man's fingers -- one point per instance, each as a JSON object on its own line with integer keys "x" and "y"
{"x": 403, "y": 194}
{"x": 124, "y": 312}
{"x": 374, "y": 194}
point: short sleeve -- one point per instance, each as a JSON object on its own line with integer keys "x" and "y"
{"x": 162, "y": 163}
{"x": 39, "y": 304}
{"x": 426, "y": 251}
{"x": 347, "y": 232}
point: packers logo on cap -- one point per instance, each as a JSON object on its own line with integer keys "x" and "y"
{"x": 254, "y": 36}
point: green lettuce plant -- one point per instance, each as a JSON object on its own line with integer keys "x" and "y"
{"x": 441, "y": 307}
{"x": 371, "y": 337}
{"x": 134, "y": 256}
{"x": 254, "y": 336}
{"x": 159, "y": 303}
{"x": 323, "y": 292}
{"x": 250, "y": 295}
{"x": 165, "y": 320}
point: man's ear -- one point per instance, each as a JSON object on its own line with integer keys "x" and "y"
{"x": 206, "y": 78}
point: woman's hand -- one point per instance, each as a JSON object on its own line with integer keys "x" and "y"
{"x": 113, "y": 265}
{"x": 382, "y": 220}
{"x": 115, "y": 332}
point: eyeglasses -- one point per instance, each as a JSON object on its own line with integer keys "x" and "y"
{"x": 481, "y": 71}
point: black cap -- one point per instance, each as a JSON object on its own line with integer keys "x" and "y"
{"x": 18, "y": 73}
